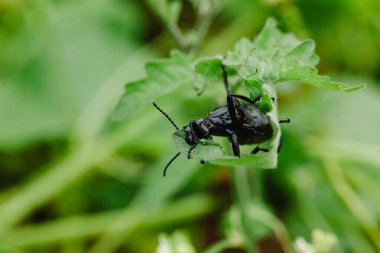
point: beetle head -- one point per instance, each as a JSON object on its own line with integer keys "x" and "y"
{"x": 189, "y": 136}
{"x": 196, "y": 130}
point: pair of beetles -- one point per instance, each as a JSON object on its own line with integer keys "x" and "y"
{"x": 240, "y": 120}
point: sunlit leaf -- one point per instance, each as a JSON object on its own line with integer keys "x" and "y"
{"x": 207, "y": 71}
{"x": 163, "y": 76}
{"x": 254, "y": 87}
{"x": 309, "y": 75}
{"x": 278, "y": 57}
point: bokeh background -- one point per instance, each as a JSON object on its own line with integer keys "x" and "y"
{"x": 72, "y": 180}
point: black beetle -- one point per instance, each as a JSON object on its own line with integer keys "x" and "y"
{"x": 240, "y": 120}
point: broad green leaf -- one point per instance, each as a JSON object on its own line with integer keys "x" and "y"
{"x": 293, "y": 72}
{"x": 304, "y": 53}
{"x": 238, "y": 56}
{"x": 163, "y": 76}
{"x": 268, "y": 37}
{"x": 254, "y": 87}
{"x": 207, "y": 71}
{"x": 275, "y": 57}
{"x": 211, "y": 152}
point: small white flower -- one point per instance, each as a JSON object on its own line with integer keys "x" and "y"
{"x": 302, "y": 246}
{"x": 322, "y": 241}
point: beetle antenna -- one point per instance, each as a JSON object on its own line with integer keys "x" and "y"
{"x": 170, "y": 162}
{"x": 167, "y": 116}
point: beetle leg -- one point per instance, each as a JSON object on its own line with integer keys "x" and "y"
{"x": 279, "y": 145}
{"x": 230, "y": 99}
{"x": 190, "y": 150}
{"x": 231, "y": 107}
{"x": 257, "y": 149}
{"x": 235, "y": 144}
{"x": 287, "y": 121}
{"x": 195, "y": 140}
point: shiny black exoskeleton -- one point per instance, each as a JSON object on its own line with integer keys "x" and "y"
{"x": 240, "y": 120}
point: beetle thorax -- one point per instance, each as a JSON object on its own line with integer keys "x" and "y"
{"x": 196, "y": 130}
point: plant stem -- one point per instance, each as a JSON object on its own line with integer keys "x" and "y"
{"x": 243, "y": 195}
{"x": 181, "y": 40}
{"x": 206, "y": 14}
{"x": 265, "y": 217}
{"x": 74, "y": 165}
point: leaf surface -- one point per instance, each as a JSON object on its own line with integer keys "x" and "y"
{"x": 163, "y": 76}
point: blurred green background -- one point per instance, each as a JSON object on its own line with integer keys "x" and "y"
{"x": 72, "y": 180}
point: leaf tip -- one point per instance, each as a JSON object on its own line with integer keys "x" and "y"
{"x": 351, "y": 89}
{"x": 271, "y": 22}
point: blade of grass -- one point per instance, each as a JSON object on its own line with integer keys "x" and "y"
{"x": 157, "y": 187}
{"x": 243, "y": 195}
{"x": 87, "y": 226}
{"x": 335, "y": 174}
{"x": 70, "y": 168}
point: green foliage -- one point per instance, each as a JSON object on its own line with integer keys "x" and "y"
{"x": 163, "y": 76}
{"x": 279, "y": 57}
{"x": 51, "y": 67}
{"x": 207, "y": 72}
{"x": 273, "y": 57}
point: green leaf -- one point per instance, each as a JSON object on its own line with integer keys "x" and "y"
{"x": 265, "y": 104}
{"x": 205, "y": 150}
{"x": 207, "y": 72}
{"x": 292, "y": 72}
{"x": 275, "y": 57}
{"x": 211, "y": 152}
{"x": 163, "y": 76}
{"x": 238, "y": 56}
{"x": 268, "y": 37}
{"x": 254, "y": 87}
{"x": 304, "y": 53}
